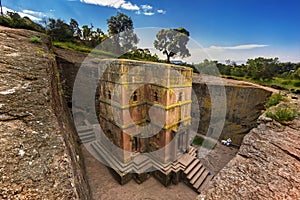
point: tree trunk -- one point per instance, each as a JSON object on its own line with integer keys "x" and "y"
{"x": 168, "y": 58}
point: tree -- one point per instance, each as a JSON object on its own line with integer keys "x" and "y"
{"x": 140, "y": 54}
{"x": 172, "y": 42}
{"x": 1, "y": 11}
{"x": 87, "y": 31}
{"x": 262, "y": 68}
{"x": 74, "y": 26}
{"x": 59, "y": 30}
{"x": 120, "y": 30}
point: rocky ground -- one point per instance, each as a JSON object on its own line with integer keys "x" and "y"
{"x": 34, "y": 159}
{"x": 267, "y": 165}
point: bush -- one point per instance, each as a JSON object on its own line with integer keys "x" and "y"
{"x": 297, "y": 84}
{"x": 199, "y": 141}
{"x": 283, "y": 114}
{"x": 274, "y": 100}
{"x": 286, "y": 82}
{"x": 35, "y": 39}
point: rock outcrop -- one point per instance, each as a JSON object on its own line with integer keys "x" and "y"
{"x": 267, "y": 165}
{"x": 241, "y": 102}
{"x": 39, "y": 158}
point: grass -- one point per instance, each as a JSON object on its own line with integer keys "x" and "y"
{"x": 276, "y": 82}
{"x": 274, "y": 100}
{"x": 297, "y": 84}
{"x": 84, "y": 49}
{"x": 282, "y": 115}
{"x": 199, "y": 141}
{"x": 35, "y": 39}
{"x": 72, "y": 46}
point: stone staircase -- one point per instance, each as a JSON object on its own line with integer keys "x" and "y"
{"x": 196, "y": 175}
{"x": 86, "y": 132}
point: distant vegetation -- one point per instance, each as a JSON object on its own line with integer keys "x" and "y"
{"x": 14, "y": 20}
{"x": 264, "y": 71}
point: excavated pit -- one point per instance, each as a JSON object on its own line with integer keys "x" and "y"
{"x": 242, "y": 111}
{"x": 34, "y": 146}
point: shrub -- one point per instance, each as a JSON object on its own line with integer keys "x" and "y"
{"x": 283, "y": 114}
{"x": 35, "y": 39}
{"x": 297, "y": 84}
{"x": 286, "y": 82}
{"x": 199, "y": 141}
{"x": 274, "y": 100}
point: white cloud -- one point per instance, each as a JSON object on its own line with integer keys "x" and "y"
{"x": 148, "y": 13}
{"x": 146, "y": 7}
{"x": 239, "y": 47}
{"x": 34, "y": 13}
{"x": 113, "y": 3}
{"x": 23, "y": 14}
{"x": 161, "y": 11}
{"x": 129, "y": 6}
{"x": 147, "y": 10}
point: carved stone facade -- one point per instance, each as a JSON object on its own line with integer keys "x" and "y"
{"x": 144, "y": 106}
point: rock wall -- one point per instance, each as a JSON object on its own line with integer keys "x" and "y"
{"x": 39, "y": 158}
{"x": 243, "y": 105}
{"x": 267, "y": 165}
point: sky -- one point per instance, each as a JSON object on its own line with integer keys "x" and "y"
{"x": 219, "y": 29}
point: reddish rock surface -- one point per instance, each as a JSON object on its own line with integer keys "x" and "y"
{"x": 37, "y": 159}
{"x": 267, "y": 165}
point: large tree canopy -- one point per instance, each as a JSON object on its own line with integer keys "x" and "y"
{"x": 172, "y": 42}
{"x": 120, "y": 30}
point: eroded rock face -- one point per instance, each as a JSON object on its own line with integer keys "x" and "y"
{"x": 243, "y": 104}
{"x": 267, "y": 166}
{"x": 38, "y": 157}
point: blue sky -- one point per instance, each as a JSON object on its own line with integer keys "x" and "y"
{"x": 219, "y": 29}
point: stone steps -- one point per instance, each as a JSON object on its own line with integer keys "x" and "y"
{"x": 193, "y": 151}
{"x": 197, "y": 176}
{"x": 86, "y": 134}
{"x": 204, "y": 185}
{"x": 87, "y": 137}
{"x": 191, "y": 166}
{"x": 137, "y": 165}
{"x": 201, "y": 179}
{"x": 191, "y": 175}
